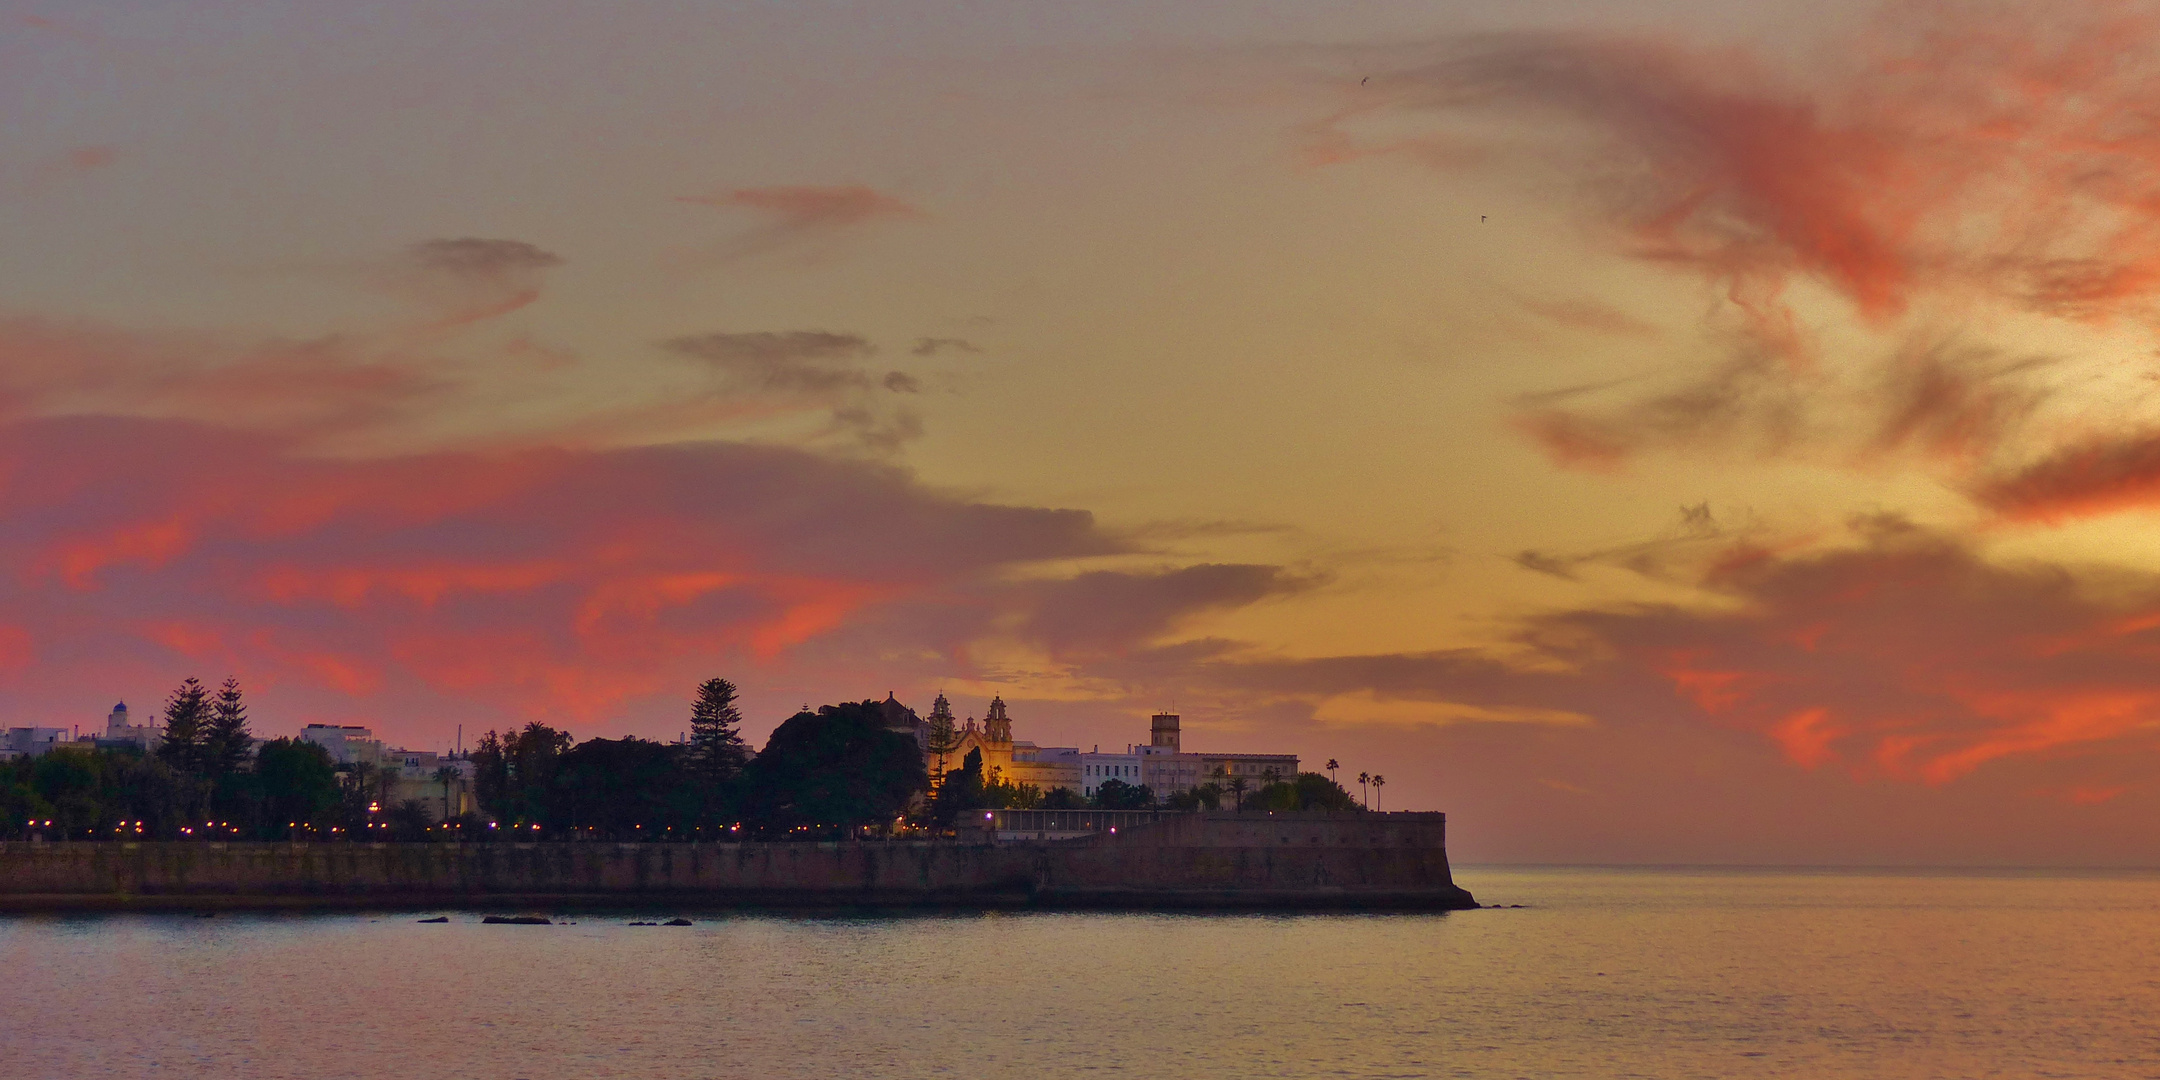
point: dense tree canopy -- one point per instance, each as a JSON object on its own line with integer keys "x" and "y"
{"x": 624, "y": 788}
{"x": 299, "y": 783}
{"x": 514, "y": 772}
{"x": 1307, "y": 791}
{"x": 838, "y": 766}
{"x": 1119, "y": 795}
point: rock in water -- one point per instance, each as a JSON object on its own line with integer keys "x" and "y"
{"x": 676, "y": 922}
{"x": 518, "y": 920}
{"x": 438, "y": 918}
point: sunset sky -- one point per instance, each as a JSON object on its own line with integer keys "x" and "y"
{"x": 1674, "y": 431}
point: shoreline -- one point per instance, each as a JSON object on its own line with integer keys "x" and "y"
{"x": 1199, "y": 862}
{"x": 693, "y": 903}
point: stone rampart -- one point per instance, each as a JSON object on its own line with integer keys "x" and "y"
{"x": 1252, "y": 860}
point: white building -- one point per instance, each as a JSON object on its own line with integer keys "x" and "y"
{"x": 33, "y": 741}
{"x": 122, "y": 731}
{"x": 1098, "y": 768}
{"x": 347, "y": 744}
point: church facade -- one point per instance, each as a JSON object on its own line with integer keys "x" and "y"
{"x": 1162, "y": 765}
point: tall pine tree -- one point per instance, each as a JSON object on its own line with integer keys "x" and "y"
{"x": 717, "y": 749}
{"x": 943, "y": 738}
{"x": 226, "y": 740}
{"x": 187, "y": 714}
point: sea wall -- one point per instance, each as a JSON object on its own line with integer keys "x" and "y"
{"x": 1252, "y": 860}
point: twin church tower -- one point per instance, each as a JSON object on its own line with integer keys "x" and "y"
{"x": 1161, "y": 765}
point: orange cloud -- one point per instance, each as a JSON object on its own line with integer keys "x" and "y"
{"x": 1903, "y": 656}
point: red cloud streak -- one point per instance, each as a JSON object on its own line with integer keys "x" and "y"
{"x": 2093, "y": 477}
{"x": 2007, "y": 149}
{"x": 543, "y": 582}
{"x": 804, "y": 206}
{"x": 1945, "y": 156}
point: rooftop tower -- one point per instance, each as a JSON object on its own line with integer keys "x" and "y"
{"x": 1163, "y": 731}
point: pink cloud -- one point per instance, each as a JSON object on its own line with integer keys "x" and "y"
{"x": 804, "y": 206}
{"x": 803, "y": 216}
{"x": 540, "y": 582}
{"x": 325, "y": 385}
{"x": 1589, "y": 316}
{"x": 72, "y": 165}
{"x": 1936, "y": 159}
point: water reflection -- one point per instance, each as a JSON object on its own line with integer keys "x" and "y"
{"x": 1602, "y": 973}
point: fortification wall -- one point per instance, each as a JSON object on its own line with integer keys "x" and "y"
{"x": 1201, "y": 860}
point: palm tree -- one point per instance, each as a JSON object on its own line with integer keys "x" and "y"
{"x": 1362, "y": 780}
{"x": 1332, "y": 765}
{"x": 1378, "y": 782}
{"x": 1238, "y": 784}
{"x": 448, "y": 775}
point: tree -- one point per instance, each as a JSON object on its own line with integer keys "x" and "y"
{"x": 225, "y": 738}
{"x": 1007, "y": 795}
{"x": 187, "y": 712}
{"x": 1062, "y": 798}
{"x": 717, "y": 750}
{"x": 299, "y": 784}
{"x": 622, "y": 789}
{"x": 1316, "y": 792}
{"x": 1206, "y": 796}
{"x": 20, "y": 803}
{"x": 1332, "y": 765}
{"x": 837, "y": 767}
{"x": 446, "y": 775}
{"x": 1238, "y": 784}
{"x": 513, "y": 771}
{"x": 73, "y": 783}
{"x": 1362, "y": 780}
{"x": 1306, "y": 791}
{"x": 960, "y": 791}
{"x": 406, "y": 821}
{"x": 942, "y": 739}
{"x": 1119, "y": 795}
{"x": 1378, "y": 781}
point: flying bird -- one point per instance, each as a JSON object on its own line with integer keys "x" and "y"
{"x": 1364, "y": 80}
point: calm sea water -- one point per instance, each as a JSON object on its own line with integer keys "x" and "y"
{"x": 1603, "y": 973}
